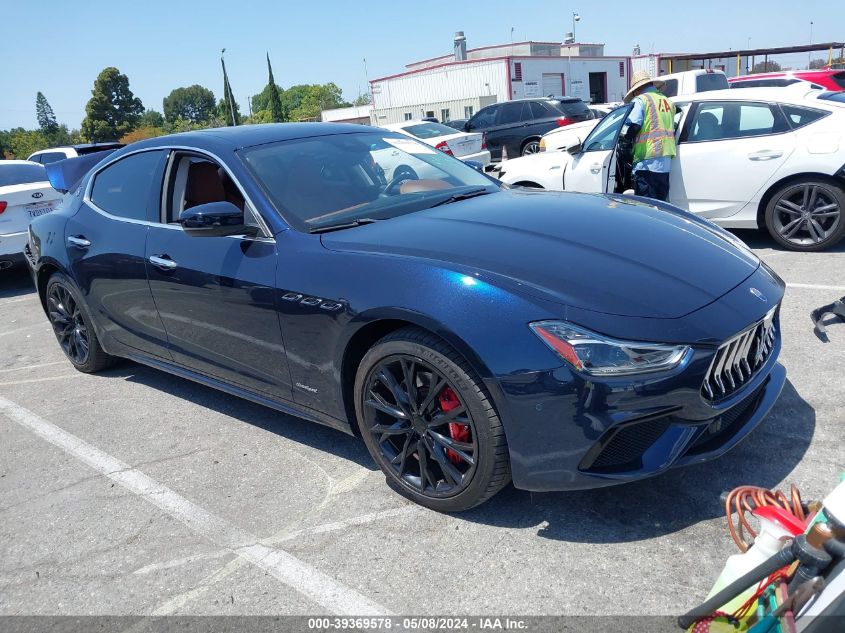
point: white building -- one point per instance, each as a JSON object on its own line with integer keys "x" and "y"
{"x": 354, "y": 114}
{"x": 458, "y": 85}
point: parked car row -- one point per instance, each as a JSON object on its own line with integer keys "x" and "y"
{"x": 755, "y": 158}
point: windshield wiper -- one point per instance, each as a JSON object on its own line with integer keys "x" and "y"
{"x": 472, "y": 193}
{"x": 342, "y": 225}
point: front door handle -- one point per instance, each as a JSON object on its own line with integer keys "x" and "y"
{"x": 78, "y": 241}
{"x": 595, "y": 168}
{"x": 766, "y": 154}
{"x": 163, "y": 262}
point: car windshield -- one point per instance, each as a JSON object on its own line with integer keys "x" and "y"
{"x": 339, "y": 179}
{"x": 428, "y": 130}
{"x": 17, "y": 174}
{"x": 839, "y": 97}
{"x": 573, "y": 109}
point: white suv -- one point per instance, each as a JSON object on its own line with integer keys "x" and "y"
{"x": 54, "y": 154}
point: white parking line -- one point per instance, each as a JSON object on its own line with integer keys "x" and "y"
{"x": 310, "y": 582}
{"x": 45, "y": 379}
{"x": 38, "y": 366}
{"x": 815, "y": 286}
{"x": 26, "y": 327}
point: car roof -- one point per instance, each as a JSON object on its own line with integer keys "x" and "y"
{"x": 787, "y": 73}
{"x": 19, "y": 162}
{"x": 241, "y": 136}
{"x": 795, "y": 96}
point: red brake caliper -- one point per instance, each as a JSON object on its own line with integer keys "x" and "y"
{"x": 459, "y": 432}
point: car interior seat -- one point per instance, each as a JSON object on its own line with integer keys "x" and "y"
{"x": 204, "y": 185}
{"x": 707, "y": 127}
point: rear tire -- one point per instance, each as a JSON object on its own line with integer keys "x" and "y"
{"x": 531, "y": 147}
{"x": 807, "y": 215}
{"x": 404, "y": 430}
{"x": 73, "y": 327}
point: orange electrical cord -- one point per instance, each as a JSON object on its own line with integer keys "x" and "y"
{"x": 745, "y": 498}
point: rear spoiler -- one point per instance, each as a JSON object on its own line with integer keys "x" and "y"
{"x": 65, "y": 175}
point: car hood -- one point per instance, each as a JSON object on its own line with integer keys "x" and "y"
{"x": 594, "y": 252}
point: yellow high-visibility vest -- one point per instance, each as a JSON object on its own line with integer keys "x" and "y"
{"x": 657, "y": 134}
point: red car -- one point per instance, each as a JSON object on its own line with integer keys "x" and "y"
{"x": 829, "y": 79}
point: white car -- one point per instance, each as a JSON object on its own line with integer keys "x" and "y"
{"x": 568, "y": 135}
{"x": 54, "y": 154}
{"x": 747, "y": 158}
{"x": 25, "y": 193}
{"x": 463, "y": 145}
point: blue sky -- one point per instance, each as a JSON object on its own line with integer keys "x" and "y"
{"x": 59, "y": 47}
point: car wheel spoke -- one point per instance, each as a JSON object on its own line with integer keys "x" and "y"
{"x": 388, "y": 380}
{"x": 459, "y": 448}
{"x": 433, "y": 391}
{"x": 452, "y": 474}
{"x": 816, "y": 230}
{"x": 450, "y": 416}
{"x": 826, "y": 211}
{"x": 408, "y": 367}
{"x": 378, "y": 403}
{"x": 402, "y": 456}
{"x": 792, "y": 227}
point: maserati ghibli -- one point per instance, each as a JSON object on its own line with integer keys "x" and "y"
{"x": 470, "y": 333}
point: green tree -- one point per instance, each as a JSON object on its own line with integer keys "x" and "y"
{"x": 362, "y": 100}
{"x": 151, "y": 118}
{"x": 261, "y": 101}
{"x": 45, "y": 115}
{"x": 230, "y": 113}
{"x": 276, "y": 110}
{"x": 21, "y": 143}
{"x": 112, "y": 110}
{"x": 766, "y": 67}
{"x": 194, "y": 103}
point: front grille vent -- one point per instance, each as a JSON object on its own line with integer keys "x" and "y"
{"x": 739, "y": 358}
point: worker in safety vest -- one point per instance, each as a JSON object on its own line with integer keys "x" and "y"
{"x": 651, "y": 129}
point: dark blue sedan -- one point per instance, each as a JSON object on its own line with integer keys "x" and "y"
{"x": 470, "y": 333}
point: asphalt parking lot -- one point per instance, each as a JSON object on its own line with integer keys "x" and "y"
{"x": 136, "y": 492}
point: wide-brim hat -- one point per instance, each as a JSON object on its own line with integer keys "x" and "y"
{"x": 642, "y": 78}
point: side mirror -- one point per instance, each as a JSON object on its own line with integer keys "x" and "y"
{"x": 573, "y": 149}
{"x": 215, "y": 219}
{"x": 466, "y": 127}
{"x": 476, "y": 165}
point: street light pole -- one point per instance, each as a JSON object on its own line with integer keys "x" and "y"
{"x": 575, "y": 18}
{"x": 810, "y": 53}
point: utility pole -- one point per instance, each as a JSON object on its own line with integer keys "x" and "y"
{"x": 810, "y": 53}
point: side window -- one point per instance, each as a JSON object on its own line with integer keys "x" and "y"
{"x": 604, "y": 135}
{"x": 512, "y": 113}
{"x": 36, "y": 159}
{"x": 125, "y": 188}
{"x": 755, "y": 120}
{"x": 484, "y": 119}
{"x": 538, "y": 111}
{"x": 707, "y": 124}
{"x": 799, "y": 117}
{"x": 51, "y": 157}
{"x": 196, "y": 180}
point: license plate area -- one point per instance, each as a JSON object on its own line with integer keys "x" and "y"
{"x": 39, "y": 208}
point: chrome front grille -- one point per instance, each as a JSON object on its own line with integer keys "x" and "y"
{"x": 739, "y": 358}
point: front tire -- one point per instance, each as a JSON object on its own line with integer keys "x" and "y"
{"x": 428, "y": 422}
{"x": 807, "y": 215}
{"x": 72, "y": 326}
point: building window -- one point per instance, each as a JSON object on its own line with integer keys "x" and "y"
{"x": 468, "y": 112}
{"x": 621, "y": 69}
{"x": 444, "y": 115}
{"x": 517, "y": 71}
{"x": 429, "y": 113}
{"x": 408, "y": 116}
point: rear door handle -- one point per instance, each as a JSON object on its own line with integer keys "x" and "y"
{"x": 766, "y": 154}
{"x": 78, "y": 241}
{"x": 163, "y": 262}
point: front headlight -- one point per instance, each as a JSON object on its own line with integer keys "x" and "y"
{"x": 599, "y": 355}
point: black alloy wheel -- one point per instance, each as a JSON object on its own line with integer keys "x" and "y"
{"x": 72, "y": 327}
{"x": 807, "y": 216}
{"x": 428, "y": 423}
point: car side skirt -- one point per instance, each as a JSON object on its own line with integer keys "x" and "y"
{"x": 286, "y": 407}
